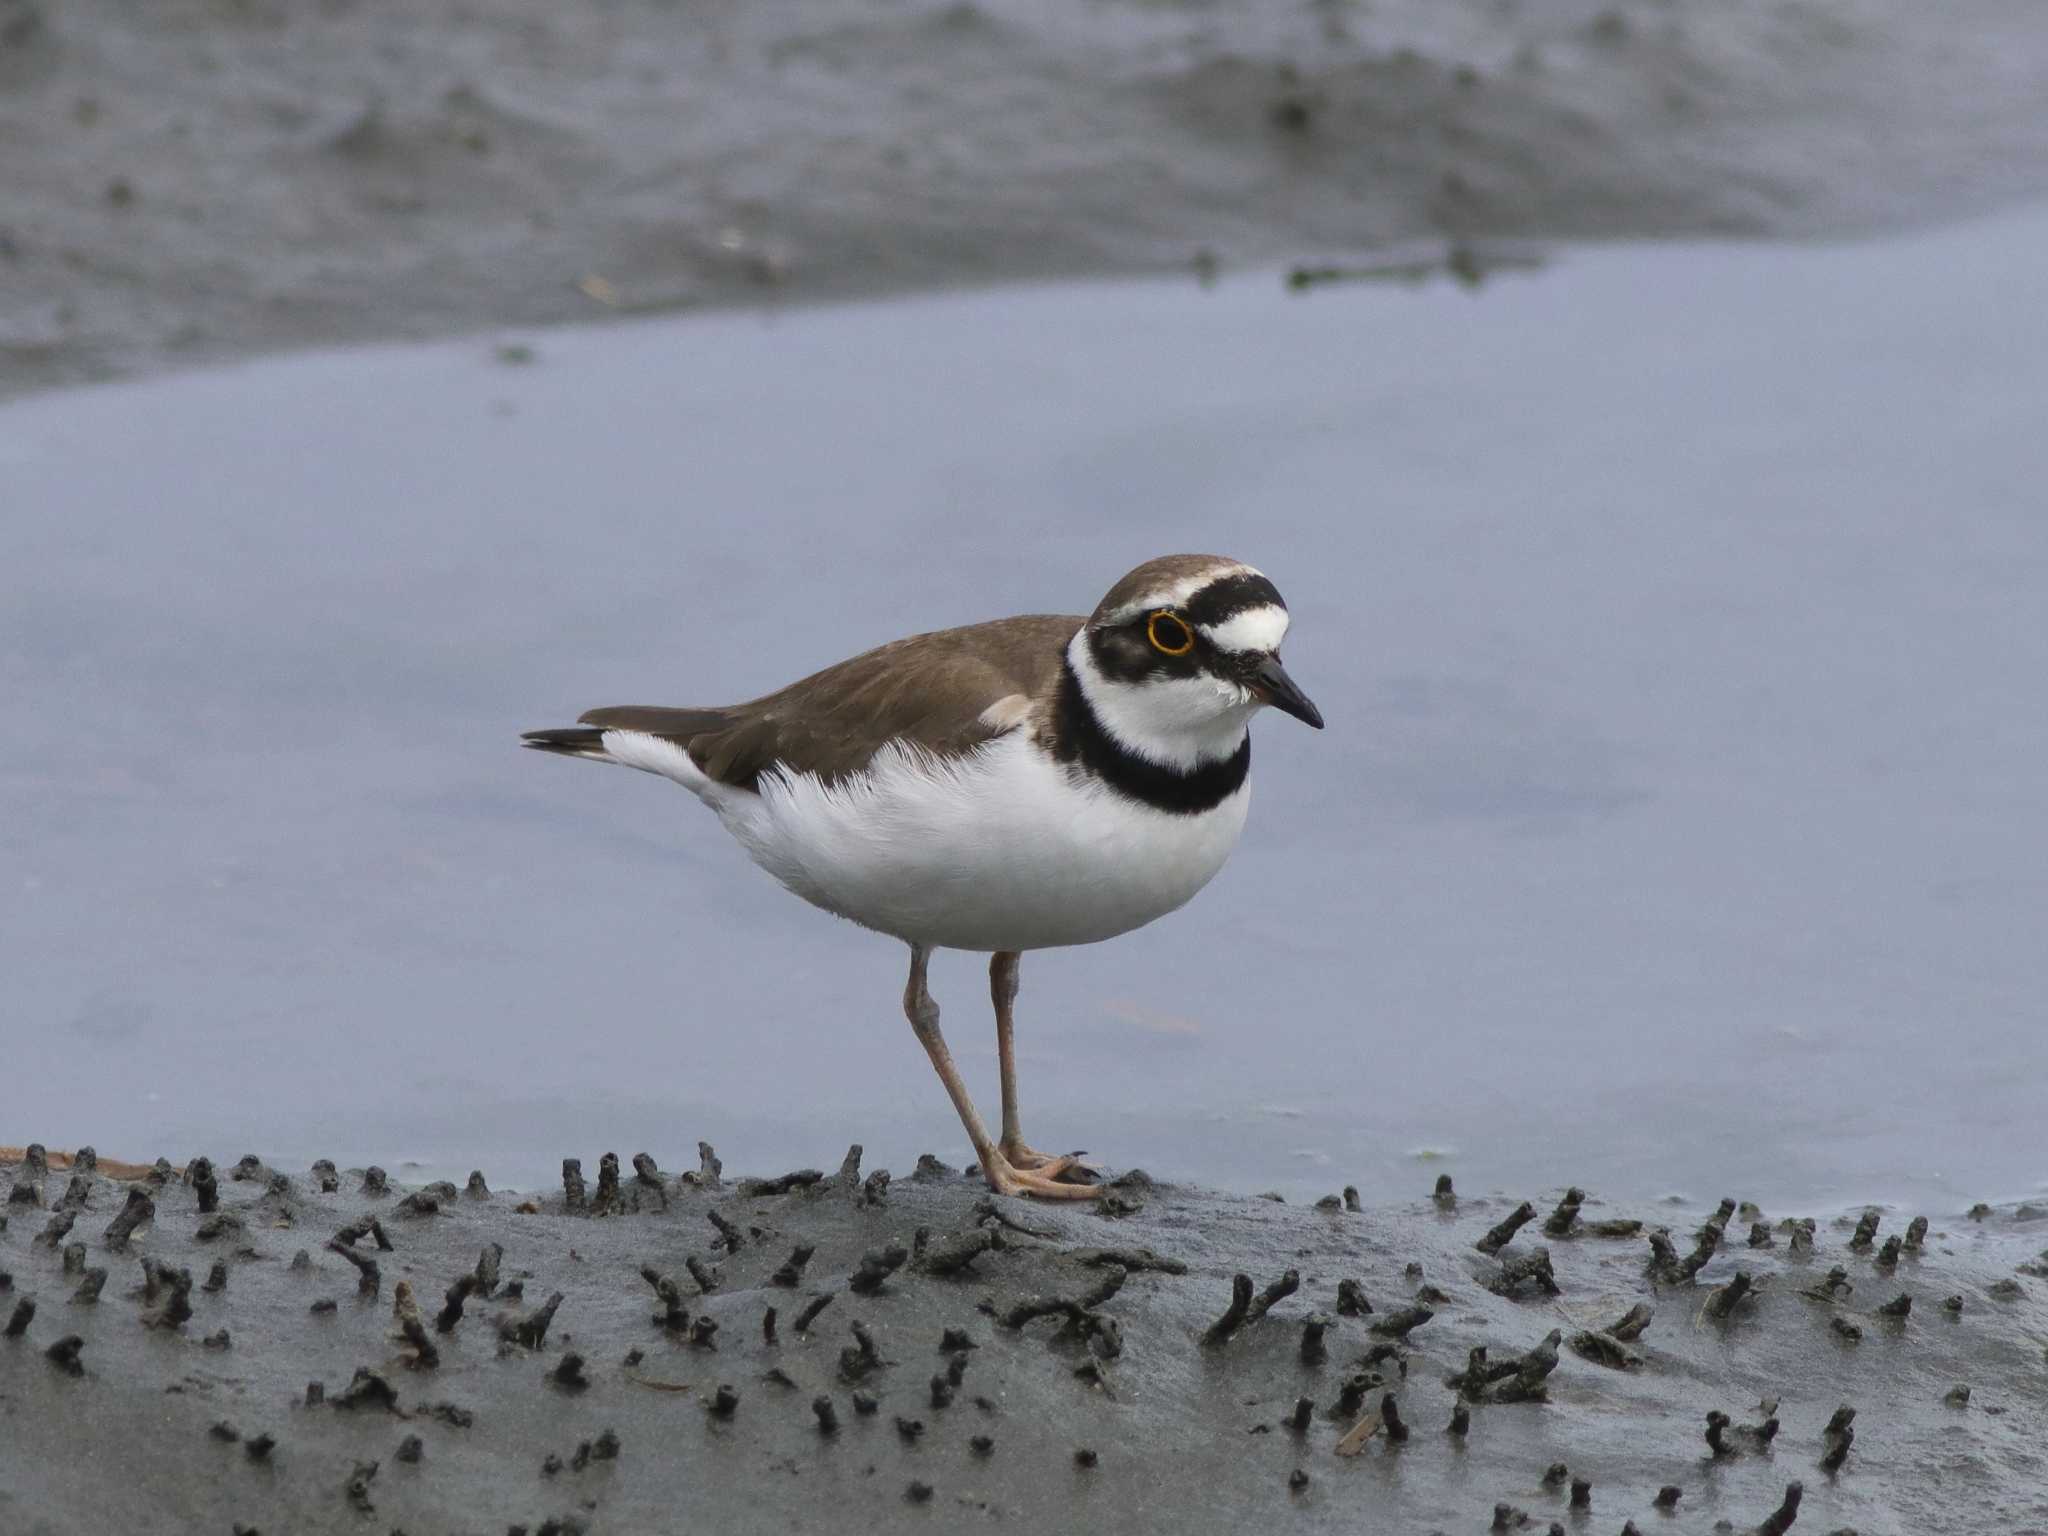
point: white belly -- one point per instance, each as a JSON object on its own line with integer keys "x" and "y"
{"x": 997, "y": 850}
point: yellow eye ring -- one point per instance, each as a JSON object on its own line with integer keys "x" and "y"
{"x": 1178, "y": 632}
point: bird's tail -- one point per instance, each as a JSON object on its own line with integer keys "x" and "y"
{"x": 673, "y": 728}
{"x": 569, "y": 741}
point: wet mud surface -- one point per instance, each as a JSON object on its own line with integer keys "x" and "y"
{"x": 227, "y": 1348}
{"x": 198, "y": 179}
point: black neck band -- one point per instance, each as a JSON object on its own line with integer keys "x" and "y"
{"x": 1079, "y": 736}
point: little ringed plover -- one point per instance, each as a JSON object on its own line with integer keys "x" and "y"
{"x": 1021, "y": 784}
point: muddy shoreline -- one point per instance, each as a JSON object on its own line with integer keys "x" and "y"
{"x": 830, "y": 1350}
{"x": 206, "y": 179}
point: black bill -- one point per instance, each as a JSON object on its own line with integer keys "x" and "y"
{"x": 1272, "y": 684}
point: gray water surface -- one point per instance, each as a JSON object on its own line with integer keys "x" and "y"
{"x": 1680, "y": 616}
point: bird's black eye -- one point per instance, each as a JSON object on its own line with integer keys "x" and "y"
{"x": 1169, "y": 634}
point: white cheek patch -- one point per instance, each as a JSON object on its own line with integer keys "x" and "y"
{"x": 1180, "y": 722}
{"x": 1255, "y": 629}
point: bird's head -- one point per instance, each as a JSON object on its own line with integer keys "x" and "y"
{"x": 1181, "y": 653}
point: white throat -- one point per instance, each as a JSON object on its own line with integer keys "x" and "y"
{"x": 1176, "y": 722}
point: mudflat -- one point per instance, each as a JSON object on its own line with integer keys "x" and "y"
{"x": 231, "y": 1347}
{"x": 200, "y": 179}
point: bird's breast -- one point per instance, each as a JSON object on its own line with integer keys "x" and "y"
{"x": 1002, "y": 848}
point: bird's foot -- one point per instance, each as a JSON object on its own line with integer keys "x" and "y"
{"x": 1006, "y": 1178}
{"x": 1028, "y": 1160}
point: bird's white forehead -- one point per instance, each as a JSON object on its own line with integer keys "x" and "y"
{"x": 1249, "y": 629}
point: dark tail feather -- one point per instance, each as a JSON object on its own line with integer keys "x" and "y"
{"x": 586, "y": 737}
{"x": 570, "y": 741}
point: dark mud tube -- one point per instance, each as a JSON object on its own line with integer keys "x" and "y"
{"x": 508, "y": 1362}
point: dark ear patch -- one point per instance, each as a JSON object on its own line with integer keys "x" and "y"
{"x": 1126, "y": 655}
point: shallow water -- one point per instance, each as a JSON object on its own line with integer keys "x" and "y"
{"x": 1680, "y": 615}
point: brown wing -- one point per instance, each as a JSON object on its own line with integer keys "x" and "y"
{"x": 929, "y": 689}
